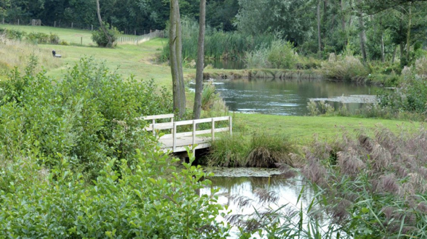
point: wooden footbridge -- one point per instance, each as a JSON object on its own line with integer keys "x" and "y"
{"x": 178, "y": 137}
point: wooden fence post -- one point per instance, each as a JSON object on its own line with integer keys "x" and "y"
{"x": 2, "y": 21}
{"x": 18, "y": 22}
{"x": 91, "y": 27}
{"x": 54, "y": 24}
{"x": 72, "y": 25}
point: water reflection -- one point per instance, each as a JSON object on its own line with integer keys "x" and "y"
{"x": 289, "y": 192}
{"x": 285, "y": 97}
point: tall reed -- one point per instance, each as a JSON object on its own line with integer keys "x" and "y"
{"x": 218, "y": 44}
{"x": 375, "y": 187}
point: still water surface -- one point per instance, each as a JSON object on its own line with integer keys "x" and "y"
{"x": 289, "y": 192}
{"x": 285, "y": 97}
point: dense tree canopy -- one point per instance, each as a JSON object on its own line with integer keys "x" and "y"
{"x": 379, "y": 30}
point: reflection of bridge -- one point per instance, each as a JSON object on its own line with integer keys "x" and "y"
{"x": 180, "y": 136}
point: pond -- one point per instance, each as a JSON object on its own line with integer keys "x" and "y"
{"x": 289, "y": 196}
{"x": 285, "y": 97}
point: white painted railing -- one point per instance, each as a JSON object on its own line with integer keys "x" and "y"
{"x": 172, "y": 125}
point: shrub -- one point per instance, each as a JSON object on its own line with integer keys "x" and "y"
{"x": 38, "y": 38}
{"x": 13, "y": 34}
{"x": 282, "y": 55}
{"x": 76, "y": 118}
{"x": 345, "y": 68}
{"x": 150, "y": 200}
{"x": 102, "y": 40}
{"x": 257, "y": 58}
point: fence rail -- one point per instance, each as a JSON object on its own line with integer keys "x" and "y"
{"x": 177, "y": 141}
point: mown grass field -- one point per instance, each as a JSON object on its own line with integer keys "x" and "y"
{"x": 302, "y": 130}
{"x": 140, "y": 61}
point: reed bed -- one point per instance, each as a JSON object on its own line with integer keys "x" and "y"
{"x": 218, "y": 44}
{"x": 375, "y": 187}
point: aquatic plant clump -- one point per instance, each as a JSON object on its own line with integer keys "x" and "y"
{"x": 375, "y": 186}
{"x": 261, "y": 150}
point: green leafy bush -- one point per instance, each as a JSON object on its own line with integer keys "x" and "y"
{"x": 345, "y": 68}
{"x": 102, "y": 40}
{"x": 13, "y": 34}
{"x": 150, "y": 200}
{"x": 77, "y": 118}
{"x": 282, "y": 55}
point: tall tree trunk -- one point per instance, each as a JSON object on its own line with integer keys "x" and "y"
{"x": 382, "y": 47}
{"x": 101, "y": 23}
{"x": 362, "y": 36}
{"x": 319, "y": 34}
{"x": 408, "y": 35}
{"x": 175, "y": 50}
{"x": 343, "y": 22}
{"x": 200, "y": 62}
{"x": 382, "y": 40}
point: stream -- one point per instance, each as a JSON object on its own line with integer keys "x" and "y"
{"x": 290, "y": 96}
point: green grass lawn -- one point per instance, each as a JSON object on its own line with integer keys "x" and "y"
{"x": 303, "y": 129}
{"x": 137, "y": 60}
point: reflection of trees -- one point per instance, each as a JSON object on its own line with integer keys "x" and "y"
{"x": 256, "y": 94}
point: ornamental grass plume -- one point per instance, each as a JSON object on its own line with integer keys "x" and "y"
{"x": 382, "y": 179}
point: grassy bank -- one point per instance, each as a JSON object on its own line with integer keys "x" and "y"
{"x": 264, "y": 140}
{"x": 301, "y": 130}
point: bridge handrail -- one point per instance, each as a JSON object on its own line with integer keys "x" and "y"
{"x": 173, "y": 125}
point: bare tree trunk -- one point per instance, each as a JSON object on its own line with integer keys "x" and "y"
{"x": 382, "y": 47}
{"x": 101, "y": 23}
{"x": 362, "y": 36}
{"x": 200, "y": 62}
{"x": 408, "y": 35}
{"x": 343, "y": 22}
{"x": 175, "y": 49}
{"x": 319, "y": 35}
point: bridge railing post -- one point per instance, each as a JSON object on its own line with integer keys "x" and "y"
{"x": 213, "y": 129}
{"x": 194, "y": 137}
{"x": 230, "y": 122}
{"x": 194, "y": 133}
{"x": 174, "y": 137}
{"x": 154, "y": 128}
